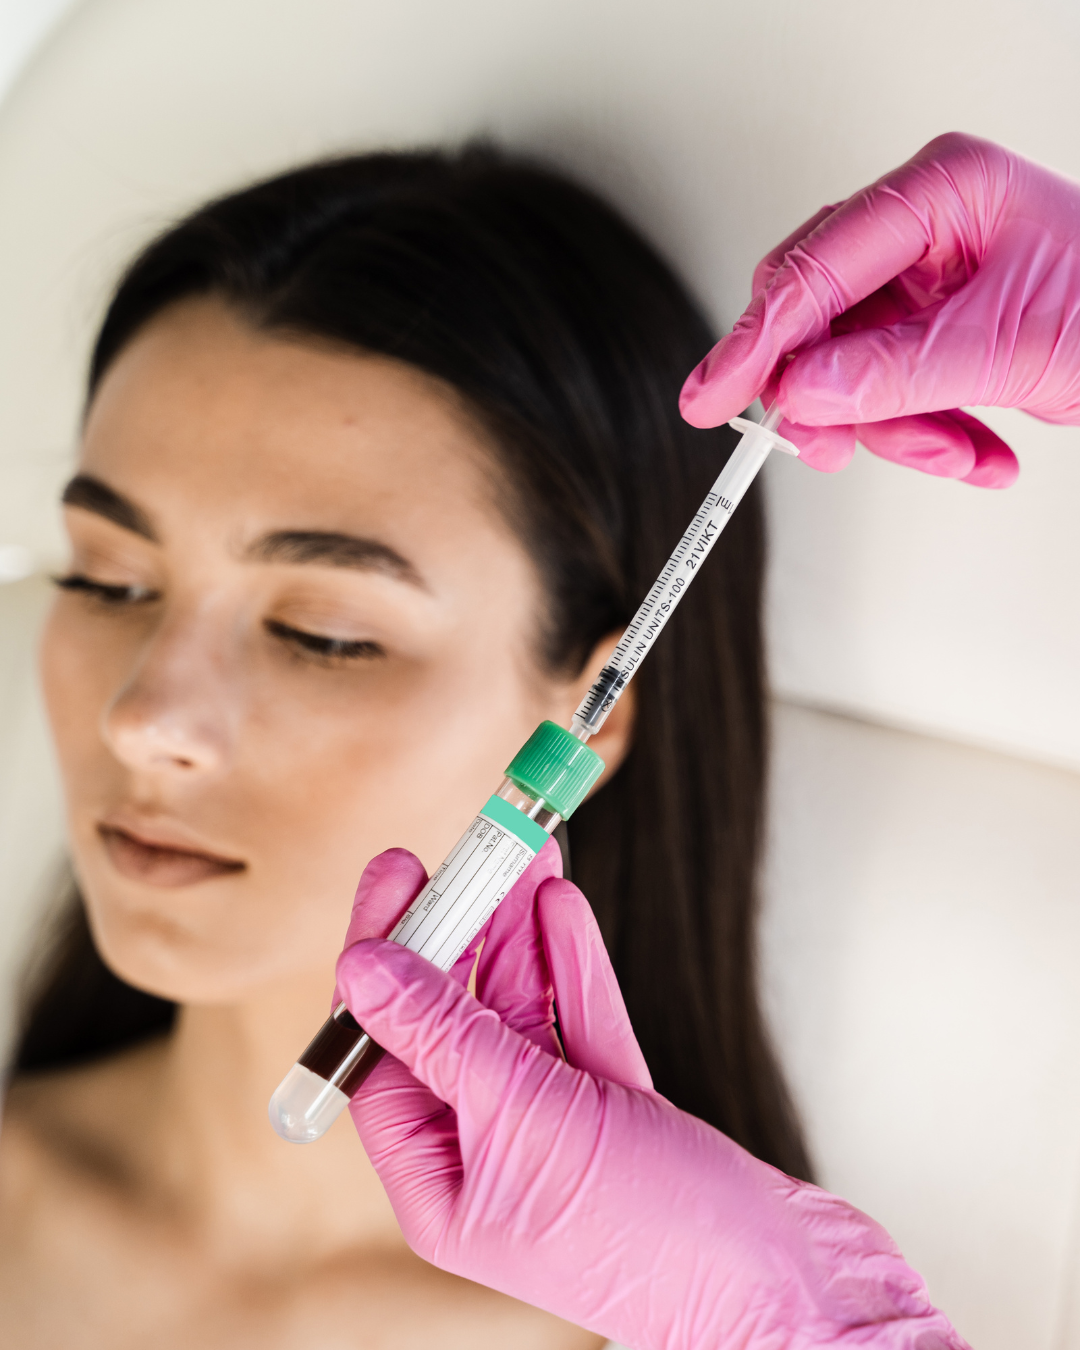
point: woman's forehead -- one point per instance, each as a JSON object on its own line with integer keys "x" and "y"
{"x": 202, "y": 410}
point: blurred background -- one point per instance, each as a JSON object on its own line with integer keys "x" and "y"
{"x": 922, "y": 922}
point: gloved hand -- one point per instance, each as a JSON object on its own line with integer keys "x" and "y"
{"x": 955, "y": 279}
{"x": 573, "y": 1185}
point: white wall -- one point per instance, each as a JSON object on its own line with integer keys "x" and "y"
{"x": 23, "y": 25}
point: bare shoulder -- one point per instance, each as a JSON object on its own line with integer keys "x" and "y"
{"x": 61, "y": 1179}
{"x": 73, "y": 1120}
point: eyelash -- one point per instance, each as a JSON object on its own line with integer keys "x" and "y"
{"x": 325, "y": 650}
{"x": 105, "y": 594}
{"x": 309, "y": 646}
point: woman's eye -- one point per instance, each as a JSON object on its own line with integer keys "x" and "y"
{"x": 324, "y": 649}
{"x": 105, "y": 593}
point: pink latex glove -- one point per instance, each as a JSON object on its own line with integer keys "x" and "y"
{"x": 573, "y": 1185}
{"x": 954, "y": 280}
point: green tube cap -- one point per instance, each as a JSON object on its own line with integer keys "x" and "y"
{"x": 556, "y": 766}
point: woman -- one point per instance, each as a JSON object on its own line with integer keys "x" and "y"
{"x": 378, "y": 458}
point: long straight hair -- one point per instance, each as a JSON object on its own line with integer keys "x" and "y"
{"x": 569, "y": 338}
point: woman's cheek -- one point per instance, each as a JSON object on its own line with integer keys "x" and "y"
{"x": 347, "y": 768}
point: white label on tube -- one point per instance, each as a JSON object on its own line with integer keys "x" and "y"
{"x": 467, "y": 888}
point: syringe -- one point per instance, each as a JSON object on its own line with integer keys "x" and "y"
{"x": 546, "y": 781}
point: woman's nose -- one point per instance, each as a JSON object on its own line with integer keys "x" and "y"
{"x": 173, "y": 714}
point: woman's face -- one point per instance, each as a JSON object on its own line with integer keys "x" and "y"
{"x": 297, "y": 631}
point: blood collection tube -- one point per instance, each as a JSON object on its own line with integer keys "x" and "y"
{"x": 545, "y": 782}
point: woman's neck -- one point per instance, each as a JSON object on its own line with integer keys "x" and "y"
{"x": 210, "y": 1148}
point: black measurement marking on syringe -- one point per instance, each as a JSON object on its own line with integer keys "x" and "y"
{"x": 656, "y": 607}
{"x": 606, "y": 688}
{"x": 689, "y": 542}
{"x": 668, "y": 589}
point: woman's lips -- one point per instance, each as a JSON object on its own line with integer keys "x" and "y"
{"x": 161, "y": 864}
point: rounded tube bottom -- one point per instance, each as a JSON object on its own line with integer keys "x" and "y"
{"x": 305, "y": 1106}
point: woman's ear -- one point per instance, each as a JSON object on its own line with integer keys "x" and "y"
{"x": 614, "y": 739}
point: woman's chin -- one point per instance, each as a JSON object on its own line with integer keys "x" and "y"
{"x": 196, "y": 930}
{"x": 157, "y": 958}
{"x": 212, "y": 950}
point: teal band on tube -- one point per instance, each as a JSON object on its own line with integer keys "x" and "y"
{"x": 501, "y": 813}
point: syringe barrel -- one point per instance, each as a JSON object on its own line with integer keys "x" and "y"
{"x": 716, "y": 510}
{"x": 545, "y": 782}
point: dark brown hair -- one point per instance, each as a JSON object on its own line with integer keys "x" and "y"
{"x": 569, "y": 337}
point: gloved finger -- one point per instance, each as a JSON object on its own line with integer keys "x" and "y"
{"x": 387, "y": 887}
{"x": 949, "y": 444}
{"x": 411, "y": 1138}
{"x": 884, "y": 306}
{"x": 407, "y": 1132}
{"x": 768, "y": 266}
{"x": 995, "y": 464}
{"x": 933, "y": 443}
{"x": 512, "y": 975}
{"x": 595, "y": 1025}
{"x": 827, "y": 449}
{"x": 889, "y": 304}
{"x": 853, "y": 252}
{"x": 410, "y": 1135}
{"x": 443, "y": 1036}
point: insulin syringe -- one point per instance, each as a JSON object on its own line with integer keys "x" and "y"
{"x": 547, "y": 780}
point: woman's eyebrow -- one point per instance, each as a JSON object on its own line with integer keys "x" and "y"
{"x": 319, "y": 547}
{"x": 91, "y": 494}
{"x": 330, "y": 549}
